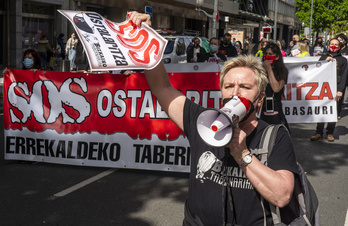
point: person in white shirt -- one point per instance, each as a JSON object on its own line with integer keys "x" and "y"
{"x": 70, "y": 49}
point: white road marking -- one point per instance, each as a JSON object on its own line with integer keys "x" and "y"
{"x": 346, "y": 222}
{"x": 83, "y": 183}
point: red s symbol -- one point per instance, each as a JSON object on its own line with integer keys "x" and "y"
{"x": 130, "y": 42}
{"x": 127, "y": 26}
{"x": 152, "y": 47}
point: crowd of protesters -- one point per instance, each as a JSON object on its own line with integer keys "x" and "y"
{"x": 272, "y": 53}
{"x": 220, "y": 50}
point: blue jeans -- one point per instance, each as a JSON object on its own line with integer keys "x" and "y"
{"x": 72, "y": 56}
{"x": 43, "y": 59}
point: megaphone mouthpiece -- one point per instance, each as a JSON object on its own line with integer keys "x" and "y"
{"x": 220, "y": 123}
{"x": 214, "y": 128}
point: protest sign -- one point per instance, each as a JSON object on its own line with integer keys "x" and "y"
{"x": 114, "y": 121}
{"x": 116, "y": 46}
{"x": 309, "y": 95}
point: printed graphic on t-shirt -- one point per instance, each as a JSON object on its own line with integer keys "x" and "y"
{"x": 223, "y": 52}
{"x": 213, "y": 58}
{"x": 295, "y": 52}
{"x": 211, "y": 168}
{"x": 318, "y": 51}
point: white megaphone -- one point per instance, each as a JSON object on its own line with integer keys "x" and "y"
{"x": 215, "y": 126}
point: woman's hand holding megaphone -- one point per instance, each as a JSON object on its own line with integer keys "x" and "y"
{"x": 238, "y": 144}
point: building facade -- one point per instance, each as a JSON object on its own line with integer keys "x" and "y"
{"x": 22, "y": 21}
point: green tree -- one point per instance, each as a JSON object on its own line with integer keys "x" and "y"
{"x": 330, "y": 14}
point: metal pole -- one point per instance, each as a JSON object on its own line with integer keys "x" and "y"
{"x": 214, "y": 18}
{"x": 310, "y": 24}
{"x": 275, "y": 21}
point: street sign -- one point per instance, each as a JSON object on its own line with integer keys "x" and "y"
{"x": 306, "y": 31}
{"x": 267, "y": 30}
{"x": 148, "y": 10}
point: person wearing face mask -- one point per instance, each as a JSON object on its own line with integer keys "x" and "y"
{"x": 294, "y": 47}
{"x": 342, "y": 69}
{"x": 277, "y": 73}
{"x": 31, "y": 60}
{"x": 343, "y": 44}
{"x": 318, "y": 48}
{"x": 214, "y": 55}
{"x": 196, "y": 53}
{"x": 342, "y": 38}
{"x": 227, "y": 48}
{"x": 226, "y": 183}
{"x": 238, "y": 46}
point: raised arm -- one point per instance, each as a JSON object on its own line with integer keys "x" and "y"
{"x": 170, "y": 99}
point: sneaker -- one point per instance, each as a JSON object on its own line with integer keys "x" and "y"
{"x": 330, "y": 138}
{"x": 316, "y": 137}
{"x": 339, "y": 117}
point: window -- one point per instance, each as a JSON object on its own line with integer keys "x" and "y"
{"x": 37, "y": 18}
{"x": 42, "y": 9}
{"x": 180, "y": 50}
{"x": 32, "y": 29}
{"x": 170, "y": 46}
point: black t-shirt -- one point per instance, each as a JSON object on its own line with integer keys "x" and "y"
{"x": 344, "y": 51}
{"x": 207, "y": 175}
{"x": 228, "y": 50}
{"x": 215, "y": 57}
{"x": 342, "y": 70}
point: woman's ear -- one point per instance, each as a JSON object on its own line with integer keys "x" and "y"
{"x": 262, "y": 96}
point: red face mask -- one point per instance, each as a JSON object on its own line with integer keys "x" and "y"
{"x": 333, "y": 48}
{"x": 270, "y": 59}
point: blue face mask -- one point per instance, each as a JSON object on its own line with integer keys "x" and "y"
{"x": 28, "y": 63}
{"x": 213, "y": 48}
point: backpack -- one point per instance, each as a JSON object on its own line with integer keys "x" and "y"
{"x": 303, "y": 208}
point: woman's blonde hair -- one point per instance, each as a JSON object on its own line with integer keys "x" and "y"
{"x": 248, "y": 61}
{"x": 303, "y": 47}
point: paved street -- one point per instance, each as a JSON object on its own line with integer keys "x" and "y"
{"x": 50, "y": 194}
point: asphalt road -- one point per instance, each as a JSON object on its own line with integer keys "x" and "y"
{"x": 59, "y": 195}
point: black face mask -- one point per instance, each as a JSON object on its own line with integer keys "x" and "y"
{"x": 320, "y": 42}
{"x": 251, "y": 109}
{"x": 341, "y": 45}
{"x": 196, "y": 45}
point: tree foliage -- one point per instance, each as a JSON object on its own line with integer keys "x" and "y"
{"x": 330, "y": 14}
